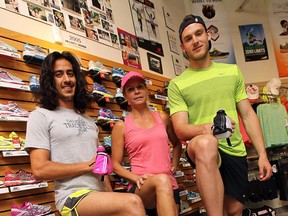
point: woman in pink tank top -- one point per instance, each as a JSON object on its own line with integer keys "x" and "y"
{"x": 145, "y": 135}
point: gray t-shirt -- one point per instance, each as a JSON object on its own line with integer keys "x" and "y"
{"x": 70, "y": 138}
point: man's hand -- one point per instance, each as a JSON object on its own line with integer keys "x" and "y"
{"x": 265, "y": 169}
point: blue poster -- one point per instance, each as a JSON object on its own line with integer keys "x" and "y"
{"x": 253, "y": 42}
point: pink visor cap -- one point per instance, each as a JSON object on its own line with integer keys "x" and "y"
{"x": 128, "y": 76}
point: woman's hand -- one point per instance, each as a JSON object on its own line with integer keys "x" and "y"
{"x": 140, "y": 181}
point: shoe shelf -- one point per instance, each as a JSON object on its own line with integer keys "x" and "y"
{"x": 14, "y": 86}
{"x": 13, "y": 118}
{"x": 6, "y": 53}
{"x": 14, "y": 153}
{"x": 28, "y": 187}
{"x": 161, "y": 97}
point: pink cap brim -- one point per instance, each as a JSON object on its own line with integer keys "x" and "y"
{"x": 128, "y": 76}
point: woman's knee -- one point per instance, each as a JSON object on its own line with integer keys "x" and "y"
{"x": 162, "y": 180}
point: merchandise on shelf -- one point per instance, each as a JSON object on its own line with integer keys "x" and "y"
{"x": 30, "y": 209}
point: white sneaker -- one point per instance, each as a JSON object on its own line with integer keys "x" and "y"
{"x": 9, "y": 78}
{"x": 34, "y": 51}
{"x": 98, "y": 66}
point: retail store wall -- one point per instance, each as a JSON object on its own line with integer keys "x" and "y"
{"x": 123, "y": 20}
{"x": 24, "y": 98}
{"x": 254, "y": 13}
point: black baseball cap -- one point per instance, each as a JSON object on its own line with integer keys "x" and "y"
{"x": 190, "y": 19}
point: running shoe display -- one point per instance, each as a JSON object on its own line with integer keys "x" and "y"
{"x": 124, "y": 114}
{"x": 6, "y": 144}
{"x": 107, "y": 141}
{"x": 9, "y": 78}
{"x": 16, "y": 110}
{"x": 33, "y": 54}
{"x": 107, "y": 115}
{"x": 101, "y": 90}
{"x": 6, "y": 47}
{"x": 19, "y": 178}
{"x": 118, "y": 72}
{"x": 98, "y": 67}
{"x": 30, "y": 209}
{"x": 34, "y": 83}
{"x": 193, "y": 196}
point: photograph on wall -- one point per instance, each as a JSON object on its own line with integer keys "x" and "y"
{"x": 114, "y": 40}
{"x": 59, "y": 19}
{"x": 107, "y": 26}
{"x": 169, "y": 21}
{"x": 129, "y": 49}
{"x": 86, "y": 14}
{"x": 104, "y": 37}
{"x": 95, "y": 18}
{"x": 253, "y": 42}
{"x": 177, "y": 65}
{"x": 71, "y": 5}
{"x": 76, "y": 23}
{"x": 146, "y": 25}
{"x": 173, "y": 42}
{"x": 109, "y": 14}
{"x": 154, "y": 63}
{"x": 92, "y": 34}
{"x": 12, "y": 5}
{"x": 216, "y": 20}
{"x": 277, "y": 11}
{"x": 36, "y": 11}
{"x": 55, "y": 4}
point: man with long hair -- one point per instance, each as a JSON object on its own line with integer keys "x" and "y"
{"x": 62, "y": 141}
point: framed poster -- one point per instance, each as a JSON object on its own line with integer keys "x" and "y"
{"x": 154, "y": 63}
{"x": 169, "y": 21}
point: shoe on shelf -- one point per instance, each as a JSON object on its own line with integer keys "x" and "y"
{"x": 35, "y": 51}
{"x": 34, "y": 83}
{"x": 118, "y": 72}
{"x": 107, "y": 141}
{"x": 98, "y": 67}
{"x": 6, "y": 47}
{"x": 193, "y": 196}
{"x": 106, "y": 114}
{"x": 9, "y": 78}
{"x": 30, "y": 209}
{"x": 124, "y": 114}
{"x": 100, "y": 89}
{"x": 216, "y": 54}
{"x": 119, "y": 95}
{"x": 19, "y": 178}
{"x": 6, "y": 143}
{"x": 17, "y": 110}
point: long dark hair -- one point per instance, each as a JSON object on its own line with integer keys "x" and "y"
{"x": 48, "y": 96}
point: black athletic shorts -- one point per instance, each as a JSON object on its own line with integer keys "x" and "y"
{"x": 234, "y": 172}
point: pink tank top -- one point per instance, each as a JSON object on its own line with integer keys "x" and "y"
{"x": 148, "y": 148}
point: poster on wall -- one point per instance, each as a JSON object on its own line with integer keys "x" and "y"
{"x": 278, "y": 21}
{"x": 173, "y": 42}
{"x": 169, "y": 21}
{"x": 146, "y": 25}
{"x": 178, "y": 69}
{"x": 214, "y": 15}
{"x": 253, "y": 42}
{"x": 129, "y": 49}
{"x": 155, "y": 63}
